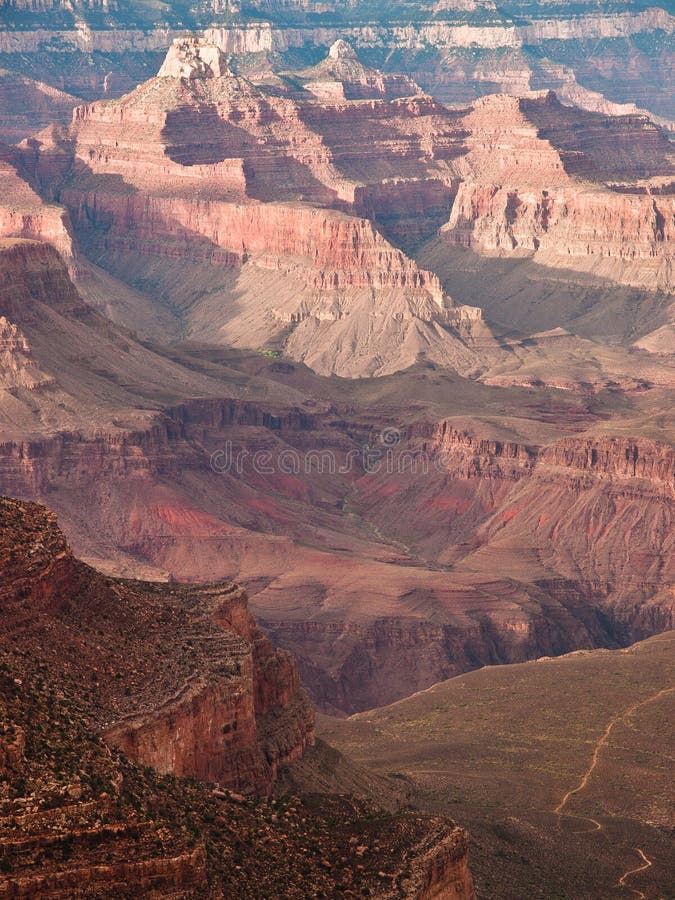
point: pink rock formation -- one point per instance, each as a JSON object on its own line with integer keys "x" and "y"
{"x": 24, "y": 214}
{"x": 142, "y": 186}
{"x": 563, "y": 184}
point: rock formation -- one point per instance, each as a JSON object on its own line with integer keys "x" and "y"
{"x": 16, "y": 366}
{"x": 457, "y": 50}
{"x": 27, "y": 106}
{"x": 567, "y": 185}
{"x": 191, "y": 58}
{"x": 23, "y": 214}
{"x": 297, "y": 202}
{"x": 159, "y": 192}
{"x": 342, "y": 76}
{"x": 256, "y": 221}
{"x": 184, "y": 683}
{"x": 269, "y": 231}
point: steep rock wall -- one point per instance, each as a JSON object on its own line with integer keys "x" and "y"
{"x": 331, "y": 250}
{"x": 232, "y": 711}
{"x": 563, "y": 184}
{"x": 258, "y": 38}
{"x": 23, "y": 214}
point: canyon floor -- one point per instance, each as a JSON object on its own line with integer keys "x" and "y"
{"x": 560, "y": 768}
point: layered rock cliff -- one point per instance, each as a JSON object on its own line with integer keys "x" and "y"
{"x": 303, "y": 269}
{"x": 83, "y": 656}
{"x": 24, "y": 214}
{"x": 259, "y": 193}
{"x": 458, "y": 51}
{"x": 564, "y": 185}
{"x": 206, "y": 695}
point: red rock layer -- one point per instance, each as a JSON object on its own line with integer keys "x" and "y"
{"x": 333, "y": 251}
{"x": 637, "y": 458}
{"x": 541, "y": 177}
{"x": 23, "y": 213}
{"x": 236, "y": 732}
{"x": 596, "y": 147}
{"x": 16, "y": 365}
{"x": 565, "y": 221}
{"x": 216, "y": 135}
{"x": 468, "y": 456}
{"x": 223, "y": 707}
{"x": 552, "y": 550}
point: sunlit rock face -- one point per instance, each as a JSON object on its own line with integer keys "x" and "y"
{"x": 192, "y": 57}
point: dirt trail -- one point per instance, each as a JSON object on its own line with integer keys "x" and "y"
{"x": 601, "y": 743}
{"x": 647, "y": 864}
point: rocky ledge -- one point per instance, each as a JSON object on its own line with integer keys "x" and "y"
{"x": 181, "y": 680}
{"x": 178, "y": 677}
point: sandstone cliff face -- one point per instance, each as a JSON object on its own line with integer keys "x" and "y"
{"x": 539, "y": 179}
{"x": 75, "y": 650}
{"x": 304, "y": 269}
{"x": 336, "y": 251}
{"x": 261, "y": 711}
{"x": 442, "y": 872}
{"x": 23, "y": 213}
{"x": 508, "y": 176}
{"x": 223, "y": 707}
{"x": 621, "y": 144}
{"x": 257, "y": 38}
{"x": 564, "y": 222}
{"x": 642, "y": 458}
{"x": 467, "y": 456}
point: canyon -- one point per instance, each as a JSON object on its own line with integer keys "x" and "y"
{"x": 343, "y": 352}
{"x": 183, "y": 682}
{"x": 599, "y": 53}
{"x": 383, "y": 567}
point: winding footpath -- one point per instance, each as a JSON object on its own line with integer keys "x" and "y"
{"x": 559, "y": 810}
{"x": 647, "y": 864}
